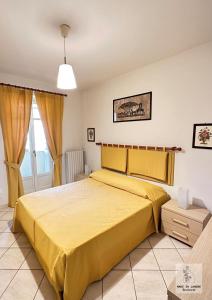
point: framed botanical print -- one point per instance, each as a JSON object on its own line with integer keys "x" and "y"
{"x": 202, "y": 136}
{"x": 91, "y": 134}
{"x": 133, "y": 108}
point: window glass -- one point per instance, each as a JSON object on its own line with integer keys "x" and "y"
{"x": 35, "y": 111}
{"x": 43, "y": 159}
{"x": 26, "y": 166}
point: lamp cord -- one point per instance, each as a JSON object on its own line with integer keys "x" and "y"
{"x": 64, "y": 48}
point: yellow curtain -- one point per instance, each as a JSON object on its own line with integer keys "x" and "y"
{"x": 15, "y": 111}
{"x": 51, "y": 111}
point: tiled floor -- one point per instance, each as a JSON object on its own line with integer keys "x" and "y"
{"x": 143, "y": 274}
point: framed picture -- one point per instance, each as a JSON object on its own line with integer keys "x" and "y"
{"x": 202, "y": 136}
{"x": 133, "y": 108}
{"x": 91, "y": 134}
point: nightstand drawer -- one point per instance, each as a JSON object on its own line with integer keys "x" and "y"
{"x": 182, "y": 222}
{"x": 179, "y": 233}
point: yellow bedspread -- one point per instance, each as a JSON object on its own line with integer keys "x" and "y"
{"x": 81, "y": 230}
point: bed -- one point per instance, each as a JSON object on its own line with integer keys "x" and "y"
{"x": 81, "y": 230}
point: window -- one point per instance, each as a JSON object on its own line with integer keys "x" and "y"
{"x": 43, "y": 160}
{"x": 37, "y": 158}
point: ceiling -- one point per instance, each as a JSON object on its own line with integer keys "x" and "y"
{"x": 108, "y": 37}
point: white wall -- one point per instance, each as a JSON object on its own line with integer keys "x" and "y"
{"x": 72, "y": 124}
{"x": 182, "y": 96}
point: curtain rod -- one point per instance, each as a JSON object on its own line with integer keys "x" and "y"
{"x": 31, "y": 89}
{"x": 158, "y": 148}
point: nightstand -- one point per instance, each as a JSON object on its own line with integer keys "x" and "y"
{"x": 81, "y": 176}
{"x": 185, "y": 225}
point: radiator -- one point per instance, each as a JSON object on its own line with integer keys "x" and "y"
{"x": 74, "y": 164}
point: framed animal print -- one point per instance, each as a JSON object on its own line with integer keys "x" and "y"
{"x": 91, "y": 134}
{"x": 133, "y": 108}
{"x": 202, "y": 136}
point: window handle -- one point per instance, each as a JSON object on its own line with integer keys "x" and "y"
{"x": 34, "y": 153}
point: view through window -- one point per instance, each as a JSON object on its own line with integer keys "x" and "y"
{"x": 36, "y": 158}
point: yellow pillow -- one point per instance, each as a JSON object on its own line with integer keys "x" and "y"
{"x": 123, "y": 182}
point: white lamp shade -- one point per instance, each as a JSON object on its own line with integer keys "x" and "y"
{"x": 66, "y": 79}
{"x": 182, "y": 198}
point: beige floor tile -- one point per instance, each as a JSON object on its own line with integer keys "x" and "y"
{"x": 10, "y": 209}
{"x": 124, "y": 264}
{"x": 5, "y": 277}
{"x": 179, "y": 244}
{"x": 7, "y": 216}
{"x": 149, "y": 285}
{"x": 4, "y": 207}
{"x": 46, "y": 291}
{"x": 22, "y": 241}
{"x": 143, "y": 259}
{"x": 13, "y": 258}
{"x": 24, "y": 285}
{"x": 167, "y": 258}
{"x": 2, "y": 213}
{"x": 168, "y": 276}
{"x": 145, "y": 244}
{"x": 160, "y": 240}
{"x": 2, "y": 251}
{"x": 185, "y": 253}
{"x": 7, "y": 239}
{"x": 118, "y": 285}
{"x": 31, "y": 262}
{"x": 94, "y": 291}
{"x": 5, "y": 226}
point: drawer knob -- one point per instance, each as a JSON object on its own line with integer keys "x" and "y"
{"x": 180, "y": 222}
{"x": 180, "y": 235}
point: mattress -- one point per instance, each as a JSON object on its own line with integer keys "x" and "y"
{"x": 81, "y": 230}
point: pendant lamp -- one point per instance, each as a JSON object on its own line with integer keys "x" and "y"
{"x": 65, "y": 79}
